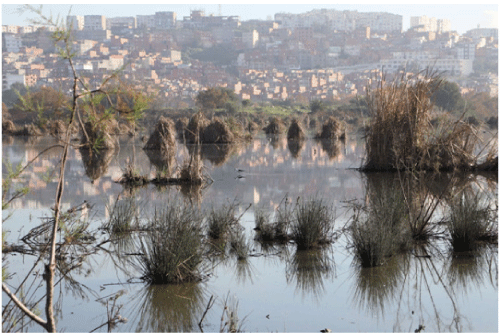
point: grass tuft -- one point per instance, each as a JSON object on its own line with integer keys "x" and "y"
{"x": 470, "y": 223}
{"x": 313, "y": 224}
{"x": 172, "y": 250}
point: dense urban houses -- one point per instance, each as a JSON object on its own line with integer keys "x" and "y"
{"x": 321, "y": 54}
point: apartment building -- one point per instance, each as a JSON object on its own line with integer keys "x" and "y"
{"x": 75, "y": 22}
{"x": 94, "y": 22}
{"x": 433, "y": 24}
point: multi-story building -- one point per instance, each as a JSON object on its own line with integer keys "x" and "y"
{"x": 165, "y": 20}
{"x": 124, "y": 21}
{"x": 341, "y": 20}
{"x": 11, "y": 42}
{"x": 75, "y": 22}
{"x": 250, "y": 38}
{"x": 146, "y": 21}
{"x": 425, "y": 23}
{"x": 94, "y": 22}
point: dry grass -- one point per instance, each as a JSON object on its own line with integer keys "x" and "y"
{"x": 217, "y": 131}
{"x": 313, "y": 224}
{"x": 195, "y": 128}
{"x": 332, "y": 129}
{"x": 163, "y": 137}
{"x": 173, "y": 249}
{"x": 275, "y": 126}
{"x": 471, "y": 221}
{"x": 401, "y": 137}
{"x": 296, "y": 131}
{"x": 8, "y": 127}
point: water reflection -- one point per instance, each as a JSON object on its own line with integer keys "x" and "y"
{"x": 309, "y": 269}
{"x": 163, "y": 161}
{"x": 376, "y": 287}
{"x": 295, "y": 147}
{"x": 96, "y": 163}
{"x": 469, "y": 272}
{"x": 331, "y": 147}
{"x": 217, "y": 154}
{"x": 168, "y": 308}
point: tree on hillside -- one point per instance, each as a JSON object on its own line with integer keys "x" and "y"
{"x": 215, "y": 98}
{"x": 447, "y": 95}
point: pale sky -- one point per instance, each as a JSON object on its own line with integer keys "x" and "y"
{"x": 463, "y": 17}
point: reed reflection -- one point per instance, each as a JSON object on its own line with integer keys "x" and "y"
{"x": 308, "y": 269}
{"x": 376, "y": 287}
{"x": 96, "y": 163}
{"x": 168, "y": 308}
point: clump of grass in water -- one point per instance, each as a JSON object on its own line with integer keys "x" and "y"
{"x": 313, "y": 224}
{"x": 239, "y": 245}
{"x": 378, "y": 231}
{"x": 172, "y": 250}
{"x": 220, "y": 220}
{"x": 122, "y": 215}
{"x": 470, "y": 222}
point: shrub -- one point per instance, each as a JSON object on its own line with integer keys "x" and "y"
{"x": 172, "y": 249}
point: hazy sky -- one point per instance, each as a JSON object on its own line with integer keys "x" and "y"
{"x": 463, "y": 17}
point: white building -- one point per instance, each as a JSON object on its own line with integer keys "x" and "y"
{"x": 430, "y": 24}
{"x": 127, "y": 21}
{"x": 12, "y": 42}
{"x": 94, "y": 22}
{"x": 75, "y": 22}
{"x": 9, "y": 79}
{"x": 145, "y": 21}
{"x": 250, "y": 38}
{"x": 341, "y": 20}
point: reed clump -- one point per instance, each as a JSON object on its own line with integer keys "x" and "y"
{"x": 163, "y": 138}
{"x": 217, "y": 131}
{"x": 173, "y": 248}
{"x": 332, "y": 129}
{"x": 296, "y": 131}
{"x": 313, "y": 224}
{"x": 471, "y": 222}
{"x": 275, "y": 126}
{"x": 96, "y": 136}
{"x": 194, "y": 129}
{"x": 400, "y": 135}
{"x": 8, "y": 127}
{"x": 378, "y": 231}
{"x": 220, "y": 221}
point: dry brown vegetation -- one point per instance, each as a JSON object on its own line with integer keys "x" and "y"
{"x": 275, "y": 126}
{"x": 217, "y": 131}
{"x": 163, "y": 137}
{"x": 332, "y": 129}
{"x": 401, "y": 137}
{"x": 195, "y": 128}
{"x": 296, "y": 131}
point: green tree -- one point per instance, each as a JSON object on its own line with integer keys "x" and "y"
{"x": 317, "y": 105}
{"x": 215, "y": 98}
{"x": 446, "y": 95}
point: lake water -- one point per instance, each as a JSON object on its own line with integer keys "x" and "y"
{"x": 277, "y": 288}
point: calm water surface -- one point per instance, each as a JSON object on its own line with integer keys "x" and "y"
{"x": 275, "y": 289}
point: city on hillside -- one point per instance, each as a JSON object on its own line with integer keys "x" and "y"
{"x": 322, "y": 54}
